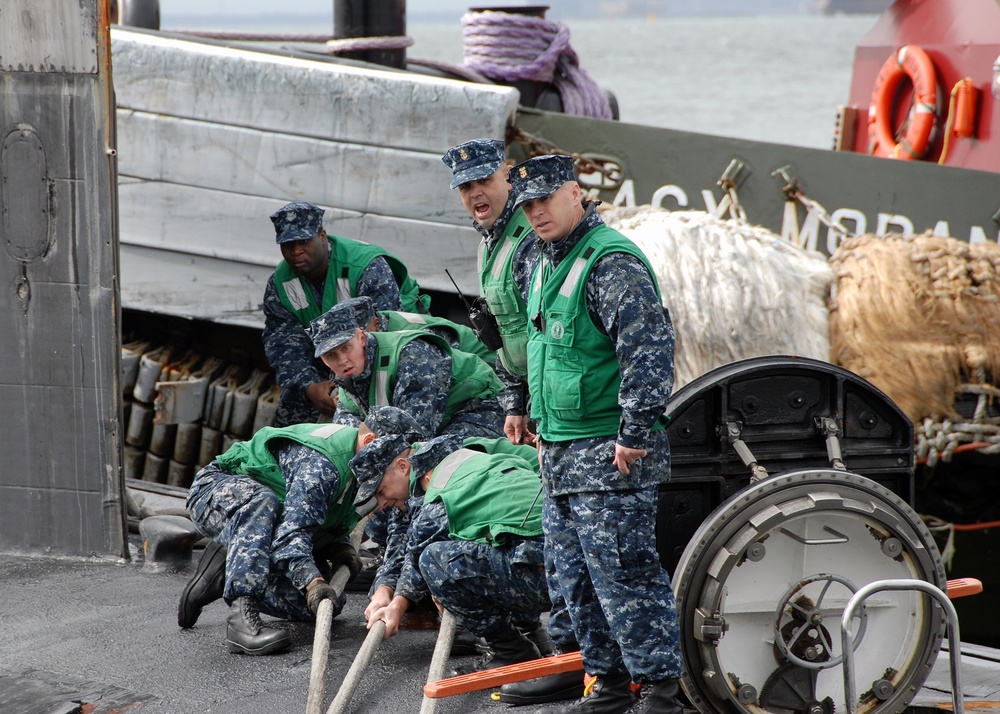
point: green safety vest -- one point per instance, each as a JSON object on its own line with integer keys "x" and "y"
{"x": 573, "y": 374}
{"x": 348, "y": 260}
{"x": 526, "y": 452}
{"x": 497, "y": 286}
{"x": 487, "y": 497}
{"x": 470, "y": 376}
{"x": 336, "y": 442}
{"x": 397, "y": 321}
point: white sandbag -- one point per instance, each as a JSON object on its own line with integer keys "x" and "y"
{"x": 733, "y": 290}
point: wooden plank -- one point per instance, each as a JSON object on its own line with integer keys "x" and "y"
{"x": 489, "y": 678}
{"x": 355, "y": 177}
{"x": 318, "y": 98}
{"x": 208, "y": 254}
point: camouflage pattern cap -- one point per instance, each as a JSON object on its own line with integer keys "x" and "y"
{"x": 388, "y": 420}
{"x": 432, "y": 452}
{"x": 474, "y": 160}
{"x": 540, "y": 177}
{"x": 334, "y": 327}
{"x": 364, "y": 310}
{"x": 297, "y": 221}
{"x": 369, "y": 466}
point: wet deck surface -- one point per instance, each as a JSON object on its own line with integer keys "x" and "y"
{"x": 105, "y": 633}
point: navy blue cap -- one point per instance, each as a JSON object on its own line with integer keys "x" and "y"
{"x": 334, "y": 327}
{"x": 364, "y": 310}
{"x": 432, "y": 452}
{"x": 386, "y": 420}
{"x": 540, "y": 177}
{"x": 297, "y": 221}
{"x": 474, "y": 160}
{"x": 369, "y": 466}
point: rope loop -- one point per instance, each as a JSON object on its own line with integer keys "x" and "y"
{"x": 509, "y": 47}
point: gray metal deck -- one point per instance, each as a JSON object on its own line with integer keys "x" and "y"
{"x": 104, "y": 633}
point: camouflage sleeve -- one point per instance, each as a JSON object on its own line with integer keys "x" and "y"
{"x": 514, "y": 396}
{"x": 378, "y": 283}
{"x": 395, "y": 547}
{"x": 343, "y": 415}
{"x": 621, "y": 299}
{"x": 524, "y": 262}
{"x": 423, "y": 381}
{"x": 289, "y": 350}
{"x": 429, "y": 526}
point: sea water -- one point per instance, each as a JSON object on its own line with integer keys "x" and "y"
{"x": 770, "y": 78}
{"x": 776, "y": 79}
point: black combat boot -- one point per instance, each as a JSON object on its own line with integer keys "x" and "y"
{"x": 611, "y": 694}
{"x": 246, "y": 633}
{"x": 658, "y": 698}
{"x": 507, "y": 646}
{"x": 205, "y": 585}
{"x": 466, "y": 643}
{"x": 540, "y": 636}
{"x": 553, "y": 688}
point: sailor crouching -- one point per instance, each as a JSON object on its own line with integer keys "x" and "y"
{"x": 474, "y": 540}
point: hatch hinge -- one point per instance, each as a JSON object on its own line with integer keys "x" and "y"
{"x": 828, "y": 427}
{"x": 733, "y": 433}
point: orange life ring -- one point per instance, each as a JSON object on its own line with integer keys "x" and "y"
{"x": 909, "y": 61}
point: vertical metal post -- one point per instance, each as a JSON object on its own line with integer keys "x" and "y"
{"x": 61, "y": 489}
{"x": 371, "y": 18}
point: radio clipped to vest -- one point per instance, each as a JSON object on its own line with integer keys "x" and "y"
{"x": 481, "y": 319}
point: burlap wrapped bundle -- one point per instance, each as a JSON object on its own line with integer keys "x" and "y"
{"x": 919, "y": 317}
{"x": 733, "y": 290}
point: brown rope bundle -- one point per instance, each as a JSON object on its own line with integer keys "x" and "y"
{"x": 917, "y": 316}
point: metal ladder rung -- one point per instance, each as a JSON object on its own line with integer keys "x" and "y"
{"x": 954, "y": 654}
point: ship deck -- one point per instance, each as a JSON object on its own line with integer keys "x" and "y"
{"x": 100, "y": 636}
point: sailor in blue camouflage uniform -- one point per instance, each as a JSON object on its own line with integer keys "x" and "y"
{"x": 508, "y": 255}
{"x": 507, "y": 258}
{"x": 279, "y": 507}
{"x": 460, "y": 337}
{"x": 318, "y": 271}
{"x": 600, "y": 371}
{"x": 474, "y": 541}
{"x": 446, "y": 391}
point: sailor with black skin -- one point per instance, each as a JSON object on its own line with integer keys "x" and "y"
{"x": 600, "y": 371}
{"x": 474, "y": 538}
{"x": 507, "y": 258}
{"x": 318, "y": 271}
{"x": 445, "y": 390}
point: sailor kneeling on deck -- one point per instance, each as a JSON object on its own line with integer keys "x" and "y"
{"x": 279, "y": 508}
{"x": 474, "y": 540}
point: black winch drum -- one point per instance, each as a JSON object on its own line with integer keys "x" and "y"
{"x": 763, "y": 578}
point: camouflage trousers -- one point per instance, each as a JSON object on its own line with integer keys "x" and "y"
{"x": 602, "y": 546}
{"x": 241, "y": 514}
{"x": 486, "y": 587}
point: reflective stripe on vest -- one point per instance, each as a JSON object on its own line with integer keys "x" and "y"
{"x": 296, "y": 294}
{"x": 449, "y": 465}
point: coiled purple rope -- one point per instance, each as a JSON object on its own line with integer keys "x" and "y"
{"x": 509, "y": 47}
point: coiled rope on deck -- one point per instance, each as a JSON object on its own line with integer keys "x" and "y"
{"x": 508, "y": 47}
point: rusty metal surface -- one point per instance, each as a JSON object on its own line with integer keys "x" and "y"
{"x": 60, "y": 488}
